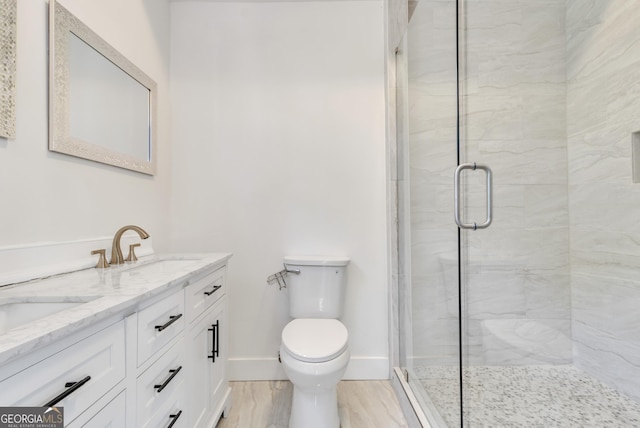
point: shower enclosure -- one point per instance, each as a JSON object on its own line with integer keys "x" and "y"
{"x": 521, "y": 116}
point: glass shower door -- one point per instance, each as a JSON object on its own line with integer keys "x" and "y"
{"x": 515, "y": 294}
{"x": 487, "y": 315}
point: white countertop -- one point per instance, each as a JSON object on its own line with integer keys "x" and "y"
{"x": 109, "y": 291}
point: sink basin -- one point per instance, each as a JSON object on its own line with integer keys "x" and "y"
{"x": 17, "y": 312}
{"x": 161, "y": 266}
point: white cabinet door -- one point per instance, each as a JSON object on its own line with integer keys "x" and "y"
{"x": 207, "y": 341}
{"x": 217, "y": 376}
{"x": 199, "y": 390}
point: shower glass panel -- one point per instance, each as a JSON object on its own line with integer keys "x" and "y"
{"x": 515, "y": 275}
{"x": 533, "y": 320}
{"x": 427, "y": 153}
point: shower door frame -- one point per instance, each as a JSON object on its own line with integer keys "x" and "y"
{"x": 404, "y": 252}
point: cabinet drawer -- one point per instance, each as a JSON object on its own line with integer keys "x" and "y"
{"x": 205, "y": 292}
{"x": 110, "y": 416}
{"x": 159, "y": 324}
{"x": 100, "y": 357}
{"x": 173, "y": 410}
{"x": 159, "y": 383}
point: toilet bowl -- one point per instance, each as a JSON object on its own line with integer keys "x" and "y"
{"x": 314, "y": 354}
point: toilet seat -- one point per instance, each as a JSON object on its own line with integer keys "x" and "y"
{"x": 315, "y": 340}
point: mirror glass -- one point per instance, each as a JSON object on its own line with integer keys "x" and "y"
{"x": 102, "y": 107}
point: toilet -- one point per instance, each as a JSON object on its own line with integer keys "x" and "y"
{"x": 314, "y": 349}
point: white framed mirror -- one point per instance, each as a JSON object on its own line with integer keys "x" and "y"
{"x": 8, "y": 23}
{"x": 101, "y": 106}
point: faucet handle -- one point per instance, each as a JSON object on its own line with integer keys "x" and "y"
{"x": 102, "y": 261}
{"x": 132, "y": 253}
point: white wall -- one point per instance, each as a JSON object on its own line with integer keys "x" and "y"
{"x": 279, "y": 148}
{"x": 52, "y": 197}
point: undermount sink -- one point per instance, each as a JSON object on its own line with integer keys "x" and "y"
{"x": 18, "y": 312}
{"x": 161, "y": 265}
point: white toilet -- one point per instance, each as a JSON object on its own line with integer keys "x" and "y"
{"x": 315, "y": 349}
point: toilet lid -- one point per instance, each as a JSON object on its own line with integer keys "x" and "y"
{"x": 315, "y": 340}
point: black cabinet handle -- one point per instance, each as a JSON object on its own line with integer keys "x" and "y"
{"x": 172, "y": 319}
{"x": 73, "y": 387}
{"x": 215, "y": 342}
{"x": 174, "y": 418}
{"x": 217, "y": 349}
{"x": 173, "y": 372}
{"x": 215, "y": 288}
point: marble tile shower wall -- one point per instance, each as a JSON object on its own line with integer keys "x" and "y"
{"x": 432, "y": 133}
{"x": 395, "y": 27}
{"x": 513, "y": 120}
{"x": 603, "y": 110}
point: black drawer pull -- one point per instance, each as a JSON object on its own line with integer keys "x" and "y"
{"x": 73, "y": 387}
{"x": 215, "y": 341}
{"x": 215, "y": 288}
{"x": 173, "y": 372}
{"x": 172, "y": 319}
{"x": 174, "y": 418}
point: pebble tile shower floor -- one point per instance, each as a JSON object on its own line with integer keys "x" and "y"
{"x": 528, "y": 397}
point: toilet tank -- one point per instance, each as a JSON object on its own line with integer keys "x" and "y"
{"x": 318, "y": 290}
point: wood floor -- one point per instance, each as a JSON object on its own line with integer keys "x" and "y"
{"x": 361, "y": 404}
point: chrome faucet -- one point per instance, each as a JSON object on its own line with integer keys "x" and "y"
{"x": 116, "y": 251}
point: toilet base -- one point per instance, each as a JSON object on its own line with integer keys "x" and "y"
{"x": 315, "y": 390}
{"x": 314, "y": 409}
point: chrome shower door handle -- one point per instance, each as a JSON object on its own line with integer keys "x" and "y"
{"x": 456, "y": 196}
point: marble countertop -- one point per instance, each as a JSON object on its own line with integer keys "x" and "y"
{"x": 106, "y": 292}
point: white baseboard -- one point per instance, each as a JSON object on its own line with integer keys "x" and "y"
{"x": 249, "y": 369}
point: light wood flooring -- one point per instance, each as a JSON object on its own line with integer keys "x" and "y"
{"x": 267, "y": 404}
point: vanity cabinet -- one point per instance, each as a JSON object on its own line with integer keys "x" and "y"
{"x": 160, "y": 363}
